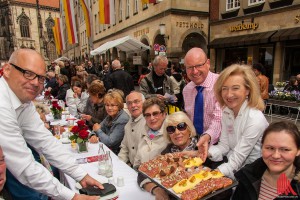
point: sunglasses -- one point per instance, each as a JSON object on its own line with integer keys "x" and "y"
{"x": 181, "y": 127}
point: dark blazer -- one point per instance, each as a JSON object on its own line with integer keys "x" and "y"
{"x": 121, "y": 80}
{"x": 62, "y": 91}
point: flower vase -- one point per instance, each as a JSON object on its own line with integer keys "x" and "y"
{"x": 82, "y": 147}
{"x": 57, "y": 116}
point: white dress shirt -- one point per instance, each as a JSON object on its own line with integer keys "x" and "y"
{"x": 240, "y": 139}
{"x": 21, "y": 124}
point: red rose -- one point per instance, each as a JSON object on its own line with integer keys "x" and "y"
{"x": 47, "y": 93}
{"x": 75, "y": 129}
{"x": 85, "y": 127}
{"x": 80, "y": 123}
{"x": 83, "y": 134}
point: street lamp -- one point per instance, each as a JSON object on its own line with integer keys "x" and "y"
{"x": 162, "y": 31}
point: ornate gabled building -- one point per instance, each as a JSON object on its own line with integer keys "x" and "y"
{"x": 28, "y": 24}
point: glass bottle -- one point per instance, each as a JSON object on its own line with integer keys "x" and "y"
{"x": 101, "y": 160}
{"x": 109, "y": 165}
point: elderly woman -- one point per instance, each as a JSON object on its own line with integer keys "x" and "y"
{"x": 243, "y": 122}
{"x": 63, "y": 87}
{"x": 76, "y": 98}
{"x": 95, "y": 113}
{"x": 153, "y": 141}
{"x": 111, "y": 130}
{"x": 275, "y": 175}
{"x": 180, "y": 132}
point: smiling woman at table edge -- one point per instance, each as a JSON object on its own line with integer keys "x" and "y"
{"x": 279, "y": 163}
{"x": 22, "y": 80}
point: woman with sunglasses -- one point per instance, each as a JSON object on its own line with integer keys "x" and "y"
{"x": 180, "y": 132}
{"x": 243, "y": 122}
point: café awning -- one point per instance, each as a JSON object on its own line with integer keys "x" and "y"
{"x": 286, "y": 34}
{"x": 127, "y": 44}
{"x": 242, "y": 40}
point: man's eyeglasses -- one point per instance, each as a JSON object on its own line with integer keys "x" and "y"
{"x": 198, "y": 66}
{"x": 29, "y": 74}
{"x": 154, "y": 114}
{"x": 181, "y": 127}
{"x": 129, "y": 103}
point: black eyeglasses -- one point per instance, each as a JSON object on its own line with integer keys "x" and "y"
{"x": 29, "y": 74}
{"x": 198, "y": 66}
{"x": 154, "y": 114}
{"x": 181, "y": 127}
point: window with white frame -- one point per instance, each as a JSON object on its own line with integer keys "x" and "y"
{"x": 120, "y": 10}
{"x": 232, "y": 4}
{"x": 253, "y": 2}
{"x": 127, "y": 8}
{"x": 136, "y": 5}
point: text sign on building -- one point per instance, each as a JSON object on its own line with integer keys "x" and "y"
{"x": 297, "y": 19}
{"x": 137, "y": 60}
{"x": 243, "y": 27}
{"x": 141, "y": 32}
{"x": 184, "y": 24}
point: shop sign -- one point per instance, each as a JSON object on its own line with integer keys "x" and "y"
{"x": 243, "y": 27}
{"x": 162, "y": 48}
{"x": 156, "y": 47}
{"x": 141, "y": 32}
{"x": 183, "y": 24}
{"x": 137, "y": 60}
{"x": 297, "y": 19}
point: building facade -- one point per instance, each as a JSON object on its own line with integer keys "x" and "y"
{"x": 28, "y": 24}
{"x": 185, "y": 25}
{"x": 256, "y": 31}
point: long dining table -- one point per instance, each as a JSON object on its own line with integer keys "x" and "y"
{"x": 129, "y": 191}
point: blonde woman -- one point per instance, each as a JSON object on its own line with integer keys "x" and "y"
{"x": 243, "y": 122}
{"x": 111, "y": 130}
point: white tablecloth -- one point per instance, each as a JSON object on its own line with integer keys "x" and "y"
{"x": 129, "y": 191}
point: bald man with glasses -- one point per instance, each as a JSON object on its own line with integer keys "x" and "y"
{"x": 20, "y": 126}
{"x": 206, "y": 117}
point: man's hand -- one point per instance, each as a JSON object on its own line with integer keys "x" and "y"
{"x": 86, "y": 117}
{"x": 89, "y": 181}
{"x": 96, "y": 127}
{"x": 93, "y": 139}
{"x": 161, "y": 97}
{"x": 203, "y": 145}
{"x": 160, "y": 194}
